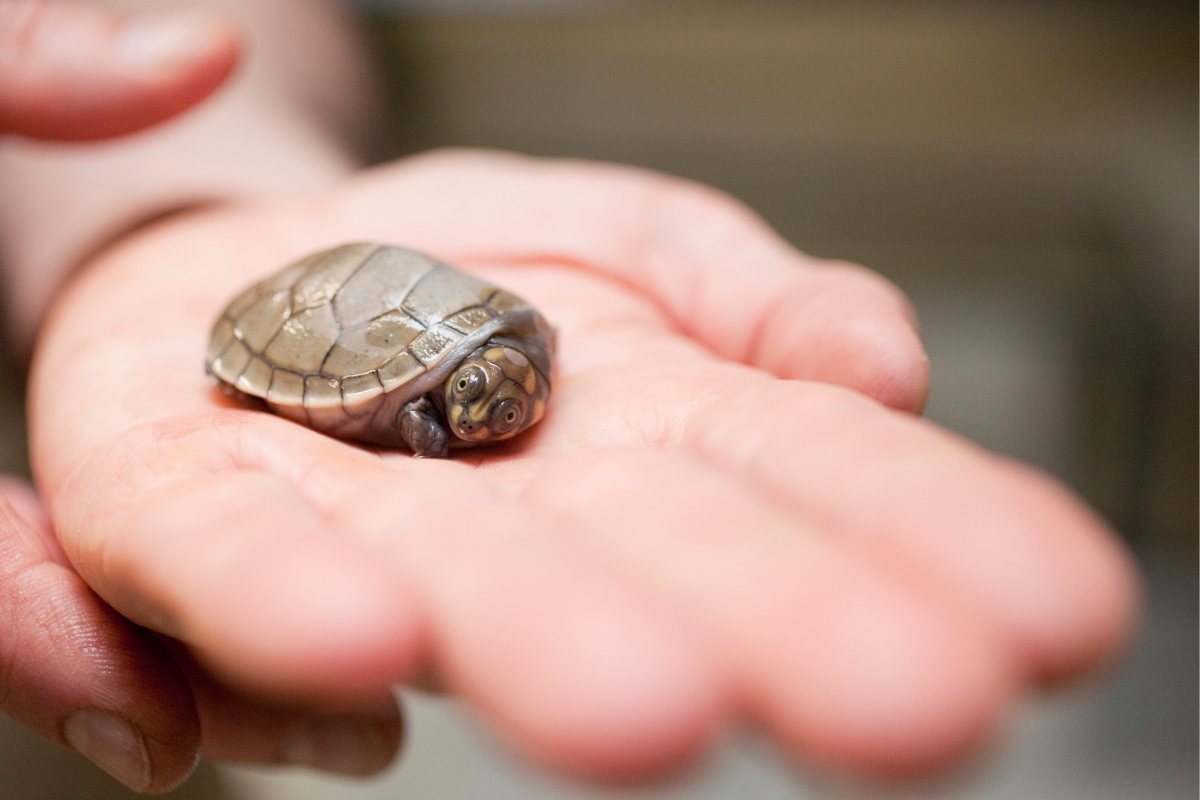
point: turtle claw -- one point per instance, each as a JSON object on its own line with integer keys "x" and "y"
{"x": 422, "y": 431}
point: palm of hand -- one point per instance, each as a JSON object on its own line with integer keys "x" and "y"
{"x": 703, "y": 525}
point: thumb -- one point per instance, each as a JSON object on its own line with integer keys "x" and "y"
{"x": 74, "y": 671}
{"x": 71, "y": 71}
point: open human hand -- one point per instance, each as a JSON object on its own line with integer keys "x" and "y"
{"x": 728, "y": 513}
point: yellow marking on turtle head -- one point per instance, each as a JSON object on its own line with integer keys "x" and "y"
{"x": 516, "y": 357}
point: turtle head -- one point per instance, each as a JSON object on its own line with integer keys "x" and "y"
{"x": 495, "y": 393}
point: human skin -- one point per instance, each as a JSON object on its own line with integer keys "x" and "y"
{"x": 284, "y": 121}
{"x": 69, "y": 72}
{"x": 71, "y": 669}
{"x": 729, "y": 513}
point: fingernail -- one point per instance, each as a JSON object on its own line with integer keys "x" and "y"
{"x": 350, "y": 745}
{"x": 162, "y": 42}
{"x": 112, "y": 744}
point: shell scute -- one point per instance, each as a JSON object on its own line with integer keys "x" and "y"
{"x": 244, "y": 301}
{"x": 444, "y": 292}
{"x": 400, "y": 370}
{"x": 322, "y": 391}
{"x": 365, "y": 347}
{"x": 327, "y": 274}
{"x": 357, "y": 390}
{"x": 283, "y": 280}
{"x": 502, "y": 301}
{"x": 262, "y": 319}
{"x": 233, "y": 360}
{"x": 256, "y": 374}
{"x": 469, "y": 319}
{"x": 379, "y": 285}
{"x": 431, "y": 345}
{"x": 287, "y": 388}
{"x": 304, "y": 340}
{"x": 222, "y": 336}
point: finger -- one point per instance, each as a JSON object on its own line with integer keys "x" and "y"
{"x": 717, "y": 270}
{"x": 80, "y": 675}
{"x": 22, "y": 501}
{"x": 571, "y": 664}
{"x": 74, "y": 71}
{"x": 843, "y": 663}
{"x": 357, "y": 739}
{"x": 199, "y": 541}
{"x": 989, "y": 535}
{"x": 275, "y": 602}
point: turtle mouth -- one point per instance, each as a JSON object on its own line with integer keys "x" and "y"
{"x": 465, "y": 427}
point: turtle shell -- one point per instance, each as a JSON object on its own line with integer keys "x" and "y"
{"x": 344, "y": 338}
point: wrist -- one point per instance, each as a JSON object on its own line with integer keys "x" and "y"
{"x": 62, "y": 203}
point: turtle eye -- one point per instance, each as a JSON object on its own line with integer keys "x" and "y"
{"x": 469, "y": 383}
{"x": 505, "y": 416}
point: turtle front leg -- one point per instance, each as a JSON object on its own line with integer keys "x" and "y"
{"x": 422, "y": 429}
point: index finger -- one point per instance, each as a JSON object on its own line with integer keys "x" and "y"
{"x": 717, "y": 271}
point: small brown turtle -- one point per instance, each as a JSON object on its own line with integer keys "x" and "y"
{"x": 388, "y": 346}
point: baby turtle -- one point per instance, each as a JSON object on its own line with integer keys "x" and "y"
{"x": 388, "y": 346}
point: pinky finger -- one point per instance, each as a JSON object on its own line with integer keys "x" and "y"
{"x": 74, "y": 671}
{"x": 357, "y": 739}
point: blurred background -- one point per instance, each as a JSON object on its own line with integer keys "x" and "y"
{"x": 1027, "y": 172}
